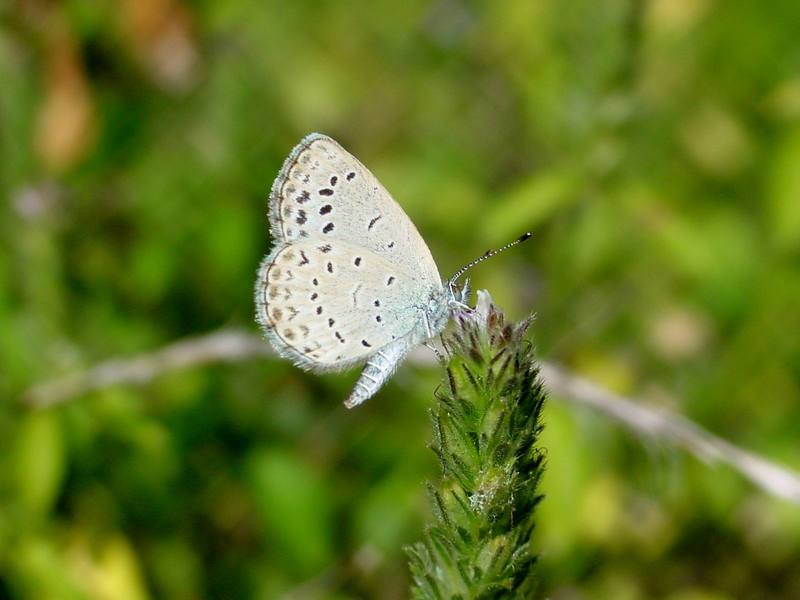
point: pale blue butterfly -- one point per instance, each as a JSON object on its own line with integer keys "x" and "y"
{"x": 349, "y": 278}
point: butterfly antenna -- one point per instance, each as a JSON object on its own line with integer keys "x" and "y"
{"x": 489, "y": 254}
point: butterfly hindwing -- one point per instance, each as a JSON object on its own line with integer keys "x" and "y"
{"x": 328, "y": 304}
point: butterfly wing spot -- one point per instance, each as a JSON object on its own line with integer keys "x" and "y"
{"x": 315, "y": 281}
{"x": 330, "y": 267}
{"x": 357, "y": 261}
{"x": 351, "y": 175}
{"x": 314, "y": 296}
{"x": 339, "y": 337}
{"x": 304, "y": 330}
{"x": 305, "y": 260}
{"x": 324, "y": 210}
{"x": 326, "y": 192}
{"x": 276, "y": 315}
{"x": 390, "y": 281}
{"x": 391, "y": 245}
{"x": 331, "y": 322}
{"x": 325, "y": 249}
{"x": 355, "y": 293}
{"x": 288, "y": 334}
{"x": 328, "y": 228}
{"x": 301, "y": 217}
{"x": 377, "y": 303}
{"x": 378, "y": 318}
{"x": 366, "y": 344}
{"x": 373, "y": 221}
{"x": 319, "y": 310}
{"x": 304, "y": 196}
{"x": 334, "y": 180}
{"x": 292, "y": 310}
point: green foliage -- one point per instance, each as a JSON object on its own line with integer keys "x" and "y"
{"x": 486, "y": 428}
{"x": 652, "y": 146}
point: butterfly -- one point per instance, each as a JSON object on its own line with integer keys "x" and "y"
{"x": 349, "y": 279}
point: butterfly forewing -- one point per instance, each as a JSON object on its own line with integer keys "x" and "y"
{"x": 324, "y": 193}
{"x": 327, "y": 304}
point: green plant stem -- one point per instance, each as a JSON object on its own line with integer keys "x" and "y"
{"x": 486, "y": 424}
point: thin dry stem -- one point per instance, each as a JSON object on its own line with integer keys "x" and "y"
{"x": 230, "y": 345}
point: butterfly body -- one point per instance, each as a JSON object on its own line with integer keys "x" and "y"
{"x": 349, "y": 279}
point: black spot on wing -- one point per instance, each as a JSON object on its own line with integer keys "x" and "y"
{"x": 328, "y": 228}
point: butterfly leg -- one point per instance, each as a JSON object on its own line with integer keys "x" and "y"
{"x": 444, "y": 345}
{"x": 377, "y": 371}
{"x": 439, "y": 355}
{"x": 425, "y": 320}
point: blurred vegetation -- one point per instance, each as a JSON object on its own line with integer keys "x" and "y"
{"x": 652, "y": 146}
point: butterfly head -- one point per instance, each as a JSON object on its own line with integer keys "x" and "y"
{"x": 457, "y": 296}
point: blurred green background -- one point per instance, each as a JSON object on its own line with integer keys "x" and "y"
{"x": 653, "y": 147}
